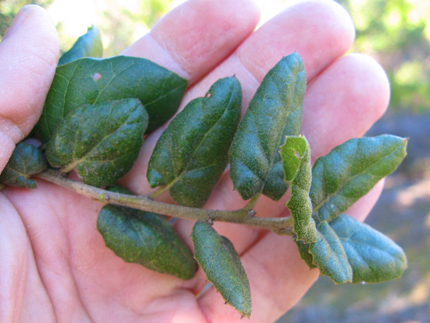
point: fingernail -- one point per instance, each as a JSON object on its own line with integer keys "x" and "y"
{"x": 19, "y": 18}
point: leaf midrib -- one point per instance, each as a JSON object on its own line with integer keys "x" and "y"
{"x": 154, "y": 229}
{"x": 324, "y": 201}
{"x": 348, "y": 239}
{"x": 72, "y": 165}
{"x": 271, "y": 161}
{"x": 200, "y": 144}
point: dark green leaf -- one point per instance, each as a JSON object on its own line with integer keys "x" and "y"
{"x": 350, "y": 171}
{"x": 25, "y": 161}
{"x": 296, "y": 158}
{"x": 192, "y": 152}
{"x": 373, "y": 256}
{"x": 100, "y": 141}
{"x": 274, "y": 111}
{"x": 88, "y": 45}
{"x": 329, "y": 256}
{"x": 90, "y": 81}
{"x": 147, "y": 239}
{"x": 222, "y": 266}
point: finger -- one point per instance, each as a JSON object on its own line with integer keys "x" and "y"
{"x": 337, "y": 112}
{"x": 320, "y": 31}
{"x": 363, "y": 206}
{"x": 84, "y": 279}
{"x": 46, "y": 213}
{"x": 273, "y": 263}
{"x": 326, "y": 33}
{"x": 321, "y": 22}
{"x": 28, "y": 57}
{"x": 196, "y": 36}
{"x": 191, "y": 40}
{"x": 22, "y": 291}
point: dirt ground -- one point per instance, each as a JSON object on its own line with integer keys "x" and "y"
{"x": 403, "y": 213}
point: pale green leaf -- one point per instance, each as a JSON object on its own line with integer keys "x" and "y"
{"x": 88, "y": 45}
{"x": 296, "y": 157}
{"x": 373, "y": 256}
{"x": 329, "y": 256}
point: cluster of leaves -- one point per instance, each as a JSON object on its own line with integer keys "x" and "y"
{"x": 94, "y": 120}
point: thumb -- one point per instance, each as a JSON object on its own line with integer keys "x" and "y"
{"x": 28, "y": 56}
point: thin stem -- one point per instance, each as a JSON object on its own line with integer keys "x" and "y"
{"x": 251, "y": 203}
{"x": 281, "y": 226}
{"x": 158, "y": 192}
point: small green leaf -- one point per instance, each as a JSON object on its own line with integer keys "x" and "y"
{"x": 100, "y": 141}
{"x": 88, "y": 45}
{"x": 222, "y": 266}
{"x": 274, "y": 111}
{"x": 296, "y": 158}
{"x": 304, "y": 252}
{"x": 192, "y": 152}
{"x": 329, "y": 256}
{"x": 147, "y": 239}
{"x": 350, "y": 171}
{"x": 90, "y": 81}
{"x": 294, "y": 152}
{"x": 373, "y": 256}
{"x": 26, "y": 160}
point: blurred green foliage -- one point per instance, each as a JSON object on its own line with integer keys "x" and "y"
{"x": 394, "y": 32}
{"x": 9, "y": 9}
{"x": 118, "y": 24}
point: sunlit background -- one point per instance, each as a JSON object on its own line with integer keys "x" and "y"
{"x": 395, "y": 33}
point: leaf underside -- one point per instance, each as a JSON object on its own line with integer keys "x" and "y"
{"x": 192, "y": 153}
{"x": 88, "y": 45}
{"x": 147, "y": 239}
{"x": 91, "y": 81}
{"x": 329, "y": 255}
{"x": 26, "y": 160}
{"x": 274, "y": 112}
{"x": 371, "y": 257}
{"x": 100, "y": 141}
{"x": 222, "y": 266}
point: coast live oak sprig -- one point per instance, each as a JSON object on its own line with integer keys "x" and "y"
{"x": 94, "y": 121}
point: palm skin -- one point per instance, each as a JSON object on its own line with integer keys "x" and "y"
{"x": 55, "y": 266}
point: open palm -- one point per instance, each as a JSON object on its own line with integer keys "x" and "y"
{"x": 55, "y": 266}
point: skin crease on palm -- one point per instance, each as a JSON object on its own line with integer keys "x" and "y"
{"x": 55, "y": 266}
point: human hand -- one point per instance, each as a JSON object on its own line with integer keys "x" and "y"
{"x": 55, "y": 266}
